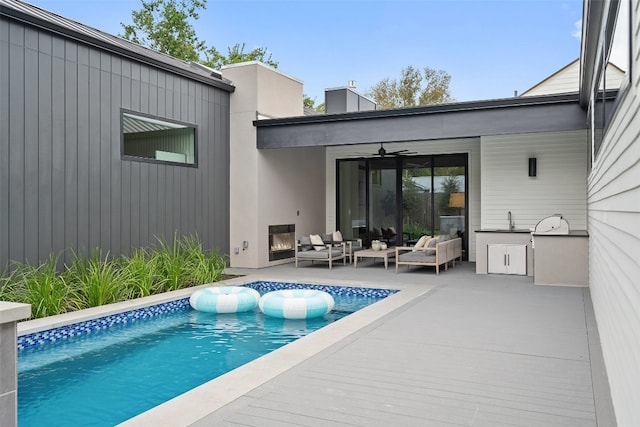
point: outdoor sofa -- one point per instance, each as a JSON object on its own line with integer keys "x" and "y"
{"x": 430, "y": 251}
{"x": 313, "y": 248}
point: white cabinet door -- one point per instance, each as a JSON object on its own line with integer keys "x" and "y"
{"x": 517, "y": 259}
{"x": 507, "y": 259}
{"x": 496, "y": 259}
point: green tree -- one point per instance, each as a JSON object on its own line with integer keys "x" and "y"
{"x": 237, "y": 54}
{"x": 166, "y": 26}
{"x": 411, "y": 194}
{"x": 310, "y": 103}
{"x": 163, "y": 25}
{"x": 451, "y": 184}
{"x": 413, "y": 88}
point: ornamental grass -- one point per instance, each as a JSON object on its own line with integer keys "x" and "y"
{"x": 54, "y": 287}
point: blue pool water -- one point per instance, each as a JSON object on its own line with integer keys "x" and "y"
{"x": 105, "y": 375}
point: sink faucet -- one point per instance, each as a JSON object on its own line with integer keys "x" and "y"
{"x": 510, "y": 221}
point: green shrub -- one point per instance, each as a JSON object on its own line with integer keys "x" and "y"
{"x": 173, "y": 264}
{"x": 203, "y": 268}
{"x": 142, "y": 273}
{"x": 98, "y": 280}
{"x": 42, "y": 287}
{"x": 414, "y": 231}
{"x": 101, "y": 280}
{"x": 4, "y": 285}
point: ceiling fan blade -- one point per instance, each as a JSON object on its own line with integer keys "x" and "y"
{"x": 382, "y": 153}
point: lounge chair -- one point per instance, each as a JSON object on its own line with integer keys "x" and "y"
{"x": 312, "y": 248}
{"x": 351, "y": 245}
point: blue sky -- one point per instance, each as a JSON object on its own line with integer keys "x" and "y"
{"x": 489, "y": 47}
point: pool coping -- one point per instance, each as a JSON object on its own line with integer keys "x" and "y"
{"x": 200, "y": 402}
{"x": 196, "y": 404}
{"x": 65, "y": 319}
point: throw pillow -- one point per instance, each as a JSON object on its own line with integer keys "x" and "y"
{"x": 420, "y": 243}
{"x": 327, "y": 237}
{"x": 430, "y": 245}
{"x": 316, "y": 240}
{"x": 305, "y": 243}
{"x": 337, "y": 236}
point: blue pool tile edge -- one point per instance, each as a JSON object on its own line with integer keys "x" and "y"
{"x": 268, "y": 286}
{"x": 86, "y": 327}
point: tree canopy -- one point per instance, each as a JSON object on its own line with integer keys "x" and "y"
{"x": 414, "y": 87}
{"x": 166, "y": 26}
{"x": 310, "y": 103}
{"x": 237, "y": 54}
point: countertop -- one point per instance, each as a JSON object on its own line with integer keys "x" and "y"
{"x": 572, "y": 233}
{"x": 499, "y": 230}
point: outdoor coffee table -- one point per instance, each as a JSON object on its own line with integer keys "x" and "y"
{"x": 370, "y": 253}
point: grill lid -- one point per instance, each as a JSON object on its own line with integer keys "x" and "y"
{"x": 554, "y": 224}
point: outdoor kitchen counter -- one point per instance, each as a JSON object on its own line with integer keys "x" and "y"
{"x": 573, "y": 233}
{"x": 561, "y": 259}
{"x": 500, "y": 230}
{"x": 486, "y": 237}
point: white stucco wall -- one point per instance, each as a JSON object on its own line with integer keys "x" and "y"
{"x": 559, "y": 187}
{"x": 268, "y": 187}
{"x": 291, "y": 191}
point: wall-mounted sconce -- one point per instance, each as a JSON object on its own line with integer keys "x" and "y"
{"x": 533, "y": 166}
{"x": 245, "y": 244}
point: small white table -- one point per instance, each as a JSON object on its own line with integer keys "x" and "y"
{"x": 370, "y": 253}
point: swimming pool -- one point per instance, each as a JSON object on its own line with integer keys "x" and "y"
{"x": 120, "y": 368}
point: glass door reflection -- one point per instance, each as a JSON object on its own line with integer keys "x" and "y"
{"x": 383, "y": 200}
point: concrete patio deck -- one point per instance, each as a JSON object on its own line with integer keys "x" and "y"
{"x": 464, "y": 350}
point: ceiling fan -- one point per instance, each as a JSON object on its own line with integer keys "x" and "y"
{"x": 384, "y": 153}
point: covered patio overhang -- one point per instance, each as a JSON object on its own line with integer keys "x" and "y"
{"x": 516, "y": 115}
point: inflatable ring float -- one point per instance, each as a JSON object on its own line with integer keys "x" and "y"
{"x": 224, "y": 299}
{"x": 296, "y": 303}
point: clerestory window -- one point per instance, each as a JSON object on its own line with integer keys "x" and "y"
{"x": 154, "y": 139}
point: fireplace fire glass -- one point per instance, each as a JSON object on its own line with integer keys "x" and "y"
{"x": 282, "y": 240}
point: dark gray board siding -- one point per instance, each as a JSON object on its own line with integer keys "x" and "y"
{"x": 63, "y": 184}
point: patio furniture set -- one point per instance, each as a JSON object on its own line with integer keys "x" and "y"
{"x": 433, "y": 251}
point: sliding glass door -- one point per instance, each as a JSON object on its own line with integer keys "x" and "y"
{"x": 398, "y": 199}
{"x": 352, "y": 199}
{"x": 417, "y": 185}
{"x": 450, "y": 195}
{"x": 383, "y": 195}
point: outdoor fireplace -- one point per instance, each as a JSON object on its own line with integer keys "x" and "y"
{"x": 282, "y": 240}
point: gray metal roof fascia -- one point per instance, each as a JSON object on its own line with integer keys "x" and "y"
{"x": 57, "y": 24}
{"x": 429, "y": 109}
{"x": 591, "y": 24}
{"x": 565, "y": 114}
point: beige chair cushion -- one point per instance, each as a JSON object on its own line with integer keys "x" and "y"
{"x": 317, "y": 241}
{"x": 420, "y": 243}
{"x": 430, "y": 244}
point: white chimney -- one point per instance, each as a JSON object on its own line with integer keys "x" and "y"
{"x": 352, "y": 84}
